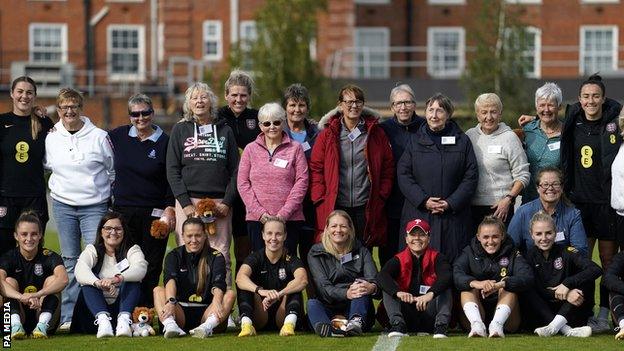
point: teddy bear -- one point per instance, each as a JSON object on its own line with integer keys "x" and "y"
{"x": 142, "y": 318}
{"x": 205, "y": 208}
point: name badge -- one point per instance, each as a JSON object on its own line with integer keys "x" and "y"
{"x": 560, "y": 236}
{"x": 122, "y": 265}
{"x": 346, "y": 258}
{"x": 423, "y": 289}
{"x": 354, "y": 134}
{"x": 448, "y": 140}
{"x": 281, "y": 163}
{"x": 157, "y": 212}
{"x": 554, "y": 146}
{"x": 306, "y": 146}
{"x": 205, "y": 129}
{"x": 494, "y": 149}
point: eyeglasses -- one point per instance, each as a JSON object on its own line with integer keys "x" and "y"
{"x": 69, "y": 107}
{"x": 357, "y": 103}
{"x": 406, "y": 103}
{"x": 144, "y": 113}
{"x": 268, "y": 123}
{"x": 110, "y": 229}
{"x": 545, "y": 186}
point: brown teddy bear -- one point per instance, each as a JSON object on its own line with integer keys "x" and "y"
{"x": 205, "y": 209}
{"x": 142, "y": 318}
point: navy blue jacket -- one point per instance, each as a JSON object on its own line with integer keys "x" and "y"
{"x": 311, "y": 134}
{"x": 450, "y": 172}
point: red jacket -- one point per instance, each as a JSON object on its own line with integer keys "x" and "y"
{"x": 325, "y": 171}
{"x": 428, "y": 268}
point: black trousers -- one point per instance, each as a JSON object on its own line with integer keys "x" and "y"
{"x": 437, "y": 313}
{"x": 538, "y": 311}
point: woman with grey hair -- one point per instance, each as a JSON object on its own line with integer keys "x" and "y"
{"x": 141, "y": 192}
{"x": 202, "y": 161}
{"x": 273, "y": 178}
{"x": 542, "y": 136}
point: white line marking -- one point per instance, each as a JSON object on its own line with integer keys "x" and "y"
{"x": 384, "y": 343}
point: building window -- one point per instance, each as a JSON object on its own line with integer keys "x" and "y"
{"x": 445, "y": 51}
{"x": 523, "y": 1}
{"x": 599, "y": 1}
{"x": 372, "y": 52}
{"x": 213, "y": 41}
{"x": 529, "y": 43}
{"x": 126, "y": 52}
{"x": 372, "y": 2}
{"x": 446, "y": 2}
{"x": 598, "y": 49}
{"x": 248, "y": 35}
{"x": 48, "y": 42}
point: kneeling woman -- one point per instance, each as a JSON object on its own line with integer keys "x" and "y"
{"x": 489, "y": 273}
{"x": 613, "y": 280}
{"x": 564, "y": 281}
{"x": 110, "y": 273}
{"x": 32, "y": 278}
{"x": 270, "y": 282}
{"x": 344, "y": 273}
{"x": 195, "y": 291}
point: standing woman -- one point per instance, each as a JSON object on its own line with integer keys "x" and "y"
{"x": 110, "y": 273}
{"x": 273, "y": 179}
{"x": 617, "y": 188}
{"x": 438, "y": 176}
{"x": 399, "y": 129}
{"x": 32, "y": 278}
{"x": 590, "y": 142}
{"x": 352, "y": 169}
{"x": 22, "y": 148}
{"x": 80, "y": 156}
{"x": 503, "y": 165}
{"x": 141, "y": 192}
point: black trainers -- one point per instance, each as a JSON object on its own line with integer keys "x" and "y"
{"x": 397, "y": 331}
{"x": 325, "y": 330}
{"x": 439, "y": 332}
{"x": 354, "y": 326}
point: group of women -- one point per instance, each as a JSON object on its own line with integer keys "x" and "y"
{"x": 277, "y": 182}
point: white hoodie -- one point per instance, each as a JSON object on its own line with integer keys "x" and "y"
{"x": 81, "y": 165}
{"x": 617, "y": 182}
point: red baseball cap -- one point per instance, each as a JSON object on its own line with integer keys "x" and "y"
{"x": 417, "y": 223}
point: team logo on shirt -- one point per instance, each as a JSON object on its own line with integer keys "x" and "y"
{"x": 503, "y": 262}
{"x": 503, "y": 272}
{"x": 3, "y": 211}
{"x": 152, "y": 154}
{"x": 611, "y": 127}
{"x": 30, "y": 289}
{"x": 38, "y": 270}
{"x": 251, "y": 123}
{"x": 558, "y": 264}
{"x": 22, "y": 148}
{"x": 281, "y": 274}
{"x": 195, "y": 298}
{"x": 46, "y": 252}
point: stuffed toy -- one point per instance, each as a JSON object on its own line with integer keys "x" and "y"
{"x": 160, "y": 228}
{"x": 205, "y": 208}
{"x": 142, "y": 318}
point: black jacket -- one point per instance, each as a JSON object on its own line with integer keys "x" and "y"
{"x": 614, "y": 276}
{"x": 475, "y": 264}
{"x": 245, "y": 126}
{"x": 564, "y": 265}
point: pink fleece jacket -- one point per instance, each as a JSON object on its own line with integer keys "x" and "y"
{"x": 274, "y": 184}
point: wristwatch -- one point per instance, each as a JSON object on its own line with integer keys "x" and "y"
{"x": 172, "y": 300}
{"x": 258, "y": 288}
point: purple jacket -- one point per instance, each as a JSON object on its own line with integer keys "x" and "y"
{"x": 274, "y": 184}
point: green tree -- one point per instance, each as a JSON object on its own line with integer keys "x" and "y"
{"x": 498, "y": 63}
{"x": 280, "y": 55}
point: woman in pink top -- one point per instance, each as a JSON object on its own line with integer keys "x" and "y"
{"x": 273, "y": 178}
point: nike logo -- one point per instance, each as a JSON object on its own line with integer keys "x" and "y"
{"x": 263, "y": 272}
{"x": 18, "y": 270}
{"x": 8, "y": 125}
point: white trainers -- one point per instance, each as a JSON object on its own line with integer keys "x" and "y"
{"x": 580, "y": 332}
{"x": 123, "y": 327}
{"x": 477, "y": 329}
{"x": 201, "y": 332}
{"x": 496, "y": 330}
{"x": 231, "y": 322}
{"x": 173, "y": 331}
{"x": 105, "y": 328}
{"x": 64, "y": 328}
{"x": 598, "y": 325}
{"x": 546, "y": 331}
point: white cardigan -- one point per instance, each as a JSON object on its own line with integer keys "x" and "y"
{"x": 617, "y": 182}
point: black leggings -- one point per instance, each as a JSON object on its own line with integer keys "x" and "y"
{"x": 538, "y": 311}
{"x": 617, "y": 306}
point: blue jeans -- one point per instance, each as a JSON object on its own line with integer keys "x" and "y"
{"x": 362, "y": 306}
{"x": 74, "y": 222}
{"x": 129, "y": 295}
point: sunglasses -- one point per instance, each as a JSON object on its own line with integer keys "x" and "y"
{"x": 268, "y": 123}
{"x": 143, "y": 113}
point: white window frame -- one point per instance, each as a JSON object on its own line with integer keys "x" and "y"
{"x": 140, "y": 75}
{"x": 385, "y": 32}
{"x": 599, "y": 1}
{"x": 31, "y": 43}
{"x": 446, "y": 2}
{"x": 614, "y": 48}
{"x": 216, "y": 38}
{"x": 535, "y": 54}
{"x": 372, "y": 2}
{"x": 528, "y": 2}
{"x": 243, "y": 31}
{"x": 461, "y": 54}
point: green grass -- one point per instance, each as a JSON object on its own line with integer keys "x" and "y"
{"x": 307, "y": 341}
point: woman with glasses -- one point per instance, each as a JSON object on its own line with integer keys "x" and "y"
{"x": 22, "y": 148}
{"x": 80, "y": 157}
{"x": 273, "y": 179}
{"x": 141, "y": 191}
{"x": 110, "y": 273}
{"x": 352, "y": 169}
{"x": 568, "y": 223}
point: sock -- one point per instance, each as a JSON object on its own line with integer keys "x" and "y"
{"x": 211, "y": 322}
{"x": 169, "y": 321}
{"x": 565, "y": 329}
{"x": 291, "y": 318}
{"x": 471, "y": 310}
{"x": 603, "y": 313}
{"x": 45, "y": 317}
{"x": 501, "y": 314}
{"x": 558, "y": 322}
{"x": 15, "y": 319}
{"x": 246, "y": 320}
